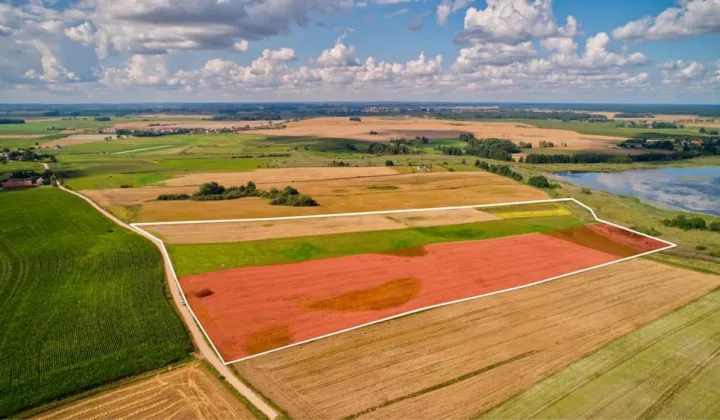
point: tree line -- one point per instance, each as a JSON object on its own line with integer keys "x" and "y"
{"x": 604, "y": 158}
{"x": 12, "y": 121}
{"x": 212, "y": 191}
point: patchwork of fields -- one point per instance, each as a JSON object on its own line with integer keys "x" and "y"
{"x": 83, "y": 301}
{"x": 252, "y": 310}
{"x": 464, "y": 359}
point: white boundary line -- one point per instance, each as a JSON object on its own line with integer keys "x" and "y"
{"x": 143, "y": 149}
{"x": 592, "y": 212}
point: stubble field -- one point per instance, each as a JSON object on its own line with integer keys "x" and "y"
{"x": 336, "y": 195}
{"x": 464, "y": 359}
{"x": 183, "y": 393}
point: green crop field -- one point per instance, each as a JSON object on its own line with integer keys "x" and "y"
{"x": 200, "y": 258}
{"x": 43, "y": 126}
{"x": 667, "y": 369}
{"x": 82, "y": 301}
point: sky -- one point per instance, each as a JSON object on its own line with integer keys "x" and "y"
{"x": 614, "y": 51}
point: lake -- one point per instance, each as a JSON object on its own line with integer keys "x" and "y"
{"x": 695, "y": 189}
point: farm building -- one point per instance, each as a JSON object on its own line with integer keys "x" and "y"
{"x": 17, "y": 183}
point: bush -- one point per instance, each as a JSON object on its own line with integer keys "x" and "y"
{"x": 693, "y": 223}
{"x": 587, "y": 191}
{"x": 173, "y": 197}
{"x": 126, "y": 186}
{"x": 389, "y": 163}
{"x": 701, "y": 247}
{"x": 647, "y": 231}
{"x": 540, "y": 182}
{"x": 210, "y": 188}
{"x": 714, "y": 226}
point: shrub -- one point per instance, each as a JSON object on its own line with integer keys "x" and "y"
{"x": 540, "y": 182}
{"x": 647, "y": 231}
{"x": 126, "y": 186}
{"x": 714, "y": 226}
{"x": 172, "y": 197}
{"x": 587, "y": 191}
{"x": 693, "y": 223}
{"x": 389, "y": 163}
{"x": 210, "y": 188}
{"x": 701, "y": 247}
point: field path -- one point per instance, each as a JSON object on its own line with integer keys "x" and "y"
{"x": 197, "y": 335}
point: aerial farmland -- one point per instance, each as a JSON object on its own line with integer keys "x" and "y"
{"x": 280, "y": 270}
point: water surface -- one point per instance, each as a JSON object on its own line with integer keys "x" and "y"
{"x": 695, "y": 189}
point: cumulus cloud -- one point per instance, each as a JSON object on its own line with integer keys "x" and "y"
{"x": 160, "y": 26}
{"x": 340, "y": 55}
{"x": 493, "y": 54}
{"x": 241, "y": 46}
{"x": 680, "y": 72}
{"x": 596, "y": 55}
{"x": 691, "y": 17}
{"x": 140, "y": 70}
{"x": 447, "y": 7}
{"x": 512, "y": 22}
{"x": 53, "y": 71}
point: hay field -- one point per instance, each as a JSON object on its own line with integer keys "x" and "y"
{"x": 188, "y": 392}
{"x": 387, "y": 128}
{"x": 77, "y": 139}
{"x": 252, "y": 231}
{"x": 667, "y": 369}
{"x": 462, "y": 360}
{"x": 280, "y": 175}
{"x": 399, "y": 191}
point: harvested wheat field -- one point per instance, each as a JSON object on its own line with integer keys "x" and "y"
{"x": 253, "y": 231}
{"x": 242, "y": 309}
{"x": 188, "y": 392}
{"x": 77, "y": 139}
{"x": 388, "y": 128}
{"x": 391, "y": 192}
{"x": 281, "y": 175}
{"x": 195, "y": 123}
{"x": 461, "y": 360}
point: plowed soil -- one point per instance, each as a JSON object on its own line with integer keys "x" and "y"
{"x": 189, "y": 392}
{"x": 461, "y": 360}
{"x": 247, "y": 301}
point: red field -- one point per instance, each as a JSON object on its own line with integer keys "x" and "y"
{"x": 255, "y": 309}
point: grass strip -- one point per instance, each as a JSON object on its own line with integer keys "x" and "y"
{"x": 441, "y": 385}
{"x": 200, "y": 258}
{"x": 254, "y": 410}
{"x": 282, "y": 414}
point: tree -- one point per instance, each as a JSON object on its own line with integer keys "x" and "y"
{"x": 539, "y": 181}
{"x": 389, "y": 163}
{"x": 702, "y": 130}
{"x": 210, "y": 188}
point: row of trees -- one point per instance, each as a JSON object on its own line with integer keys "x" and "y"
{"x": 503, "y": 170}
{"x": 603, "y": 158}
{"x": 692, "y": 223}
{"x": 12, "y": 121}
{"x": 396, "y": 147}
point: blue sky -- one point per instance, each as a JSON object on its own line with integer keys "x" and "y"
{"x": 274, "y": 50}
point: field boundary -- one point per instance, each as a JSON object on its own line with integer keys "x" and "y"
{"x": 165, "y": 253}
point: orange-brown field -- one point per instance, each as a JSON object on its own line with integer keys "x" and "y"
{"x": 188, "y": 392}
{"x": 387, "y": 128}
{"x": 251, "y": 231}
{"x": 368, "y": 193}
{"x": 461, "y": 360}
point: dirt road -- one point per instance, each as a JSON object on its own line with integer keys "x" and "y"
{"x": 197, "y": 335}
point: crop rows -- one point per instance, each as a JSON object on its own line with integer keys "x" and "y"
{"x": 82, "y": 302}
